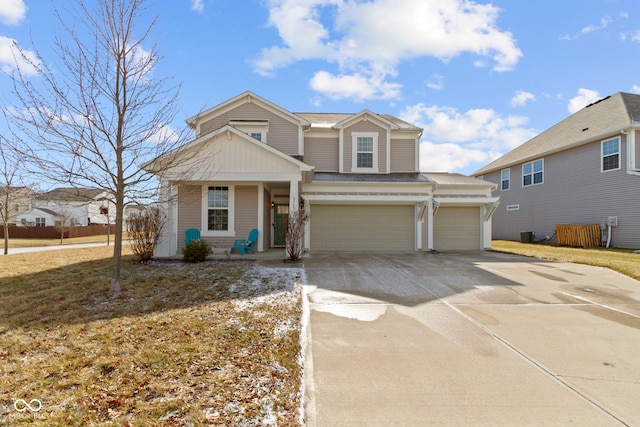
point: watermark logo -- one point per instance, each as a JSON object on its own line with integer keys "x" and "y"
{"x": 21, "y": 405}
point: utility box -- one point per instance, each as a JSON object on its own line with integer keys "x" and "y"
{"x": 526, "y": 237}
{"x": 612, "y": 221}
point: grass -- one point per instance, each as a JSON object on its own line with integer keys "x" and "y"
{"x": 624, "y": 261}
{"x": 216, "y": 343}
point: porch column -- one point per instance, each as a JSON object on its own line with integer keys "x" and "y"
{"x": 430, "y": 224}
{"x": 293, "y": 197}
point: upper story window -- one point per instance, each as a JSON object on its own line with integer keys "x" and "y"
{"x": 533, "y": 173}
{"x": 257, "y": 129}
{"x": 611, "y": 154}
{"x": 365, "y": 152}
{"x": 505, "y": 179}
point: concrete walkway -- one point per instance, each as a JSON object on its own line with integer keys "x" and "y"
{"x": 54, "y": 248}
{"x": 469, "y": 339}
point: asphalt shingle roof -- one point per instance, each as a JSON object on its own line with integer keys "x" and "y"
{"x": 604, "y": 117}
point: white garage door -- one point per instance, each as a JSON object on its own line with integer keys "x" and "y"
{"x": 457, "y": 228}
{"x": 362, "y": 228}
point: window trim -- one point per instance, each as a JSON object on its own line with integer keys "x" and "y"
{"x": 205, "y": 212}
{"x": 354, "y": 152}
{"x": 602, "y": 156}
{"x": 502, "y": 180}
{"x": 533, "y": 173}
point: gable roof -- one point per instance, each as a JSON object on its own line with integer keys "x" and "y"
{"x": 69, "y": 194}
{"x": 603, "y": 118}
{"x": 43, "y": 210}
{"x": 245, "y": 97}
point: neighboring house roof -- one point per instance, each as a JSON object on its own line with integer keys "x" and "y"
{"x": 4, "y": 188}
{"x": 44, "y": 210}
{"x": 72, "y": 194}
{"x": 605, "y": 117}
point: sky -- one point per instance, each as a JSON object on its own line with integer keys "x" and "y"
{"x": 480, "y": 77}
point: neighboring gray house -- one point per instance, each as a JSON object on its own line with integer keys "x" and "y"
{"x": 583, "y": 170}
{"x": 252, "y": 163}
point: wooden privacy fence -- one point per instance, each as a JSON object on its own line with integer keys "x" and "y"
{"x": 585, "y": 236}
{"x": 18, "y": 232}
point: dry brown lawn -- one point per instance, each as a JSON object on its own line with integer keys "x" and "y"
{"x": 624, "y": 261}
{"x": 216, "y": 343}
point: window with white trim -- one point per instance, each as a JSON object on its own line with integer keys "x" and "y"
{"x": 365, "y": 152}
{"x": 505, "y": 179}
{"x": 533, "y": 173}
{"x": 41, "y": 222}
{"x": 218, "y": 210}
{"x": 611, "y": 154}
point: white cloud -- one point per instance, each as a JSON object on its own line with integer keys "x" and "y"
{"x": 197, "y": 5}
{"x": 11, "y": 59}
{"x": 371, "y": 38}
{"x": 604, "y": 23}
{"x": 436, "y": 82}
{"x": 584, "y": 98}
{"x": 12, "y": 12}
{"x": 635, "y": 89}
{"x": 635, "y": 37}
{"x": 521, "y": 98}
{"x": 356, "y": 87}
{"x": 454, "y": 141}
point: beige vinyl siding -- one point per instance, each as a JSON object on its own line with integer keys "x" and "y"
{"x": 266, "y": 220}
{"x": 457, "y": 228}
{"x": 403, "y": 155}
{"x": 575, "y": 191}
{"x": 425, "y": 233}
{"x": 189, "y": 211}
{"x": 382, "y": 144}
{"x": 321, "y": 153}
{"x": 283, "y": 135}
{"x": 371, "y": 228}
{"x": 246, "y": 210}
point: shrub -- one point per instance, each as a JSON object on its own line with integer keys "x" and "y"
{"x": 196, "y": 251}
{"x": 144, "y": 233}
{"x": 295, "y": 234}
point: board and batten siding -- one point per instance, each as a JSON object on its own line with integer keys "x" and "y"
{"x": 283, "y": 135}
{"x": 365, "y": 126}
{"x": 575, "y": 191}
{"x": 403, "y": 155}
{"x": 321, "y": 153}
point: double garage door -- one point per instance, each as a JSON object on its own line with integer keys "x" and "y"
{"x": 381, "y": 228}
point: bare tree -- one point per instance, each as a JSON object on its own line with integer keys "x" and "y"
{"x": 294, "y": 238}
{"x": 63, "y": 223}
{"x": 9, "y": 190}
{"x": 95, "y": 114}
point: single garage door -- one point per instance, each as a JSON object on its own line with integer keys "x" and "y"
{"x": 362, "y": 228}
{"x": 457, "y": 229}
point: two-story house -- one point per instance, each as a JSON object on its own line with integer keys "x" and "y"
{"x": 74, "y": 206}
{"x": 357, "y": 175}
{"x": 583, "y": 170}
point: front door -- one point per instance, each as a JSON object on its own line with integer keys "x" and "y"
{"x": 280, "y": 219}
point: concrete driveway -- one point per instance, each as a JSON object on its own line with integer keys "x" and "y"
{"x": 480, "y": 338}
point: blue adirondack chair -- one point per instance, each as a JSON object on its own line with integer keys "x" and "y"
{"x": 248, "y": 244}
{"x": 191, "y": 234}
